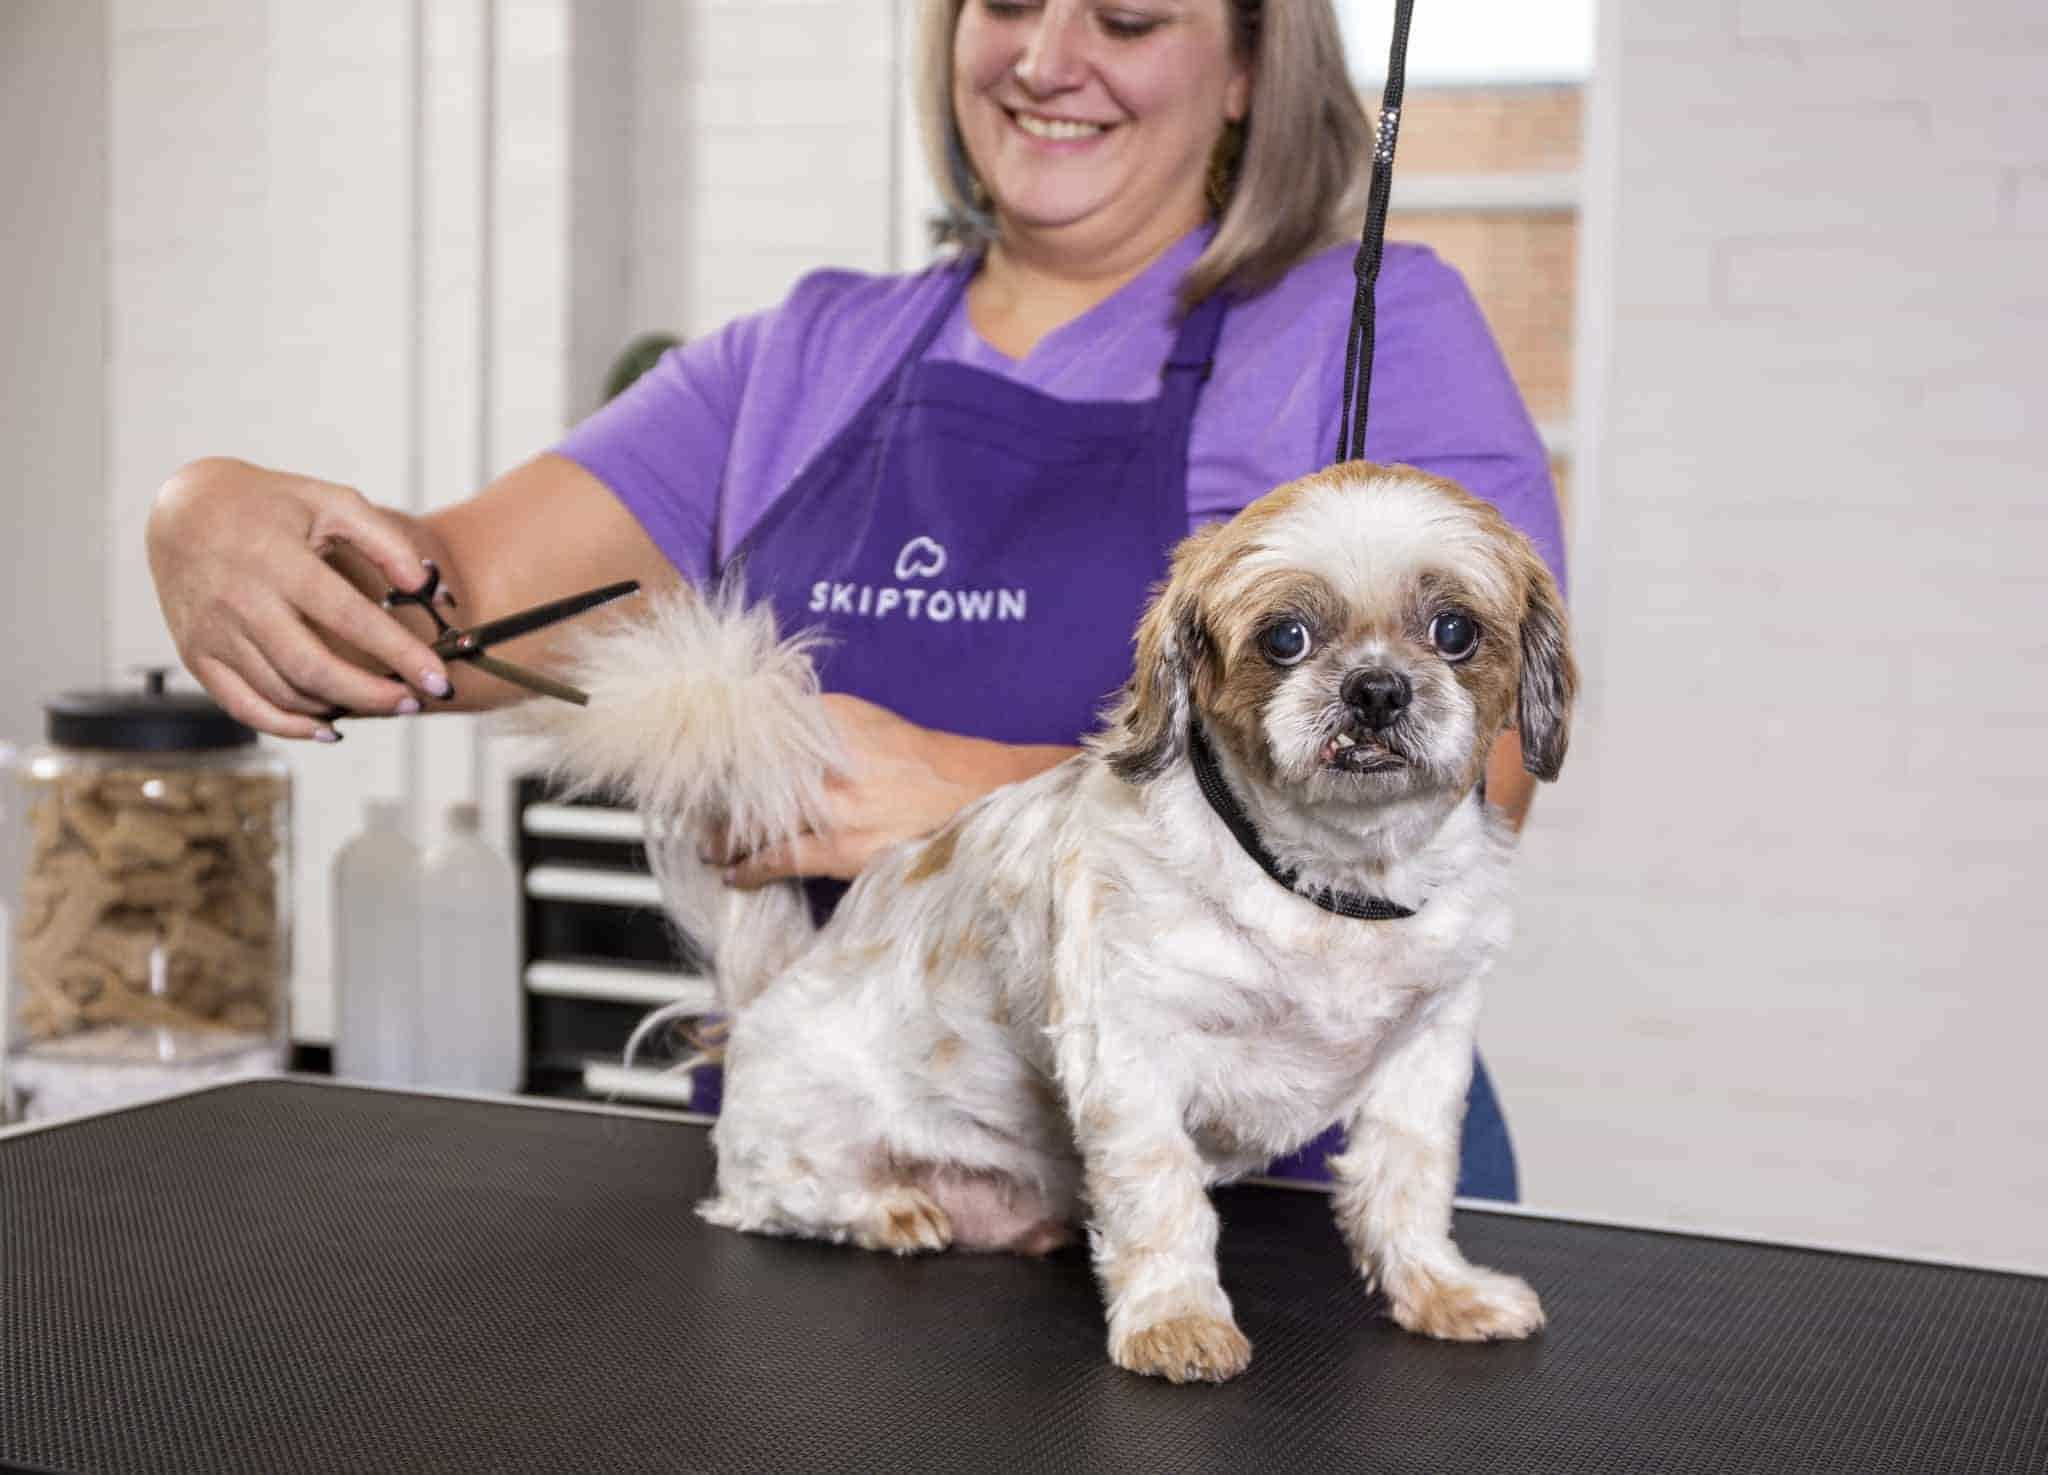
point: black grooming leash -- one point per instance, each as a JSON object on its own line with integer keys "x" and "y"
{"x": 1358, "y": 351}
{"x": 1350, "y": 447}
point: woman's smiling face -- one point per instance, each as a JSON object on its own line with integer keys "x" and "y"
{"x": 1096, "y": 118}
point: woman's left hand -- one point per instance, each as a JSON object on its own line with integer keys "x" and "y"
{"x": 906, "y": 781}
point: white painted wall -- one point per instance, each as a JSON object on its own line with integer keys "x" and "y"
{"x": 53, "y": 324}
{"x": 340, "y": 244}
{"x": 396, "y": 243}
{"x": 259, "y": 286}
{"x": 1781, "y": 953}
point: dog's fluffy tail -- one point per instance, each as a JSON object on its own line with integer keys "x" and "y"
{"x": 712, "y": 725}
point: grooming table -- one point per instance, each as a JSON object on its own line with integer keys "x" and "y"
{"x": 291, "y": 1275}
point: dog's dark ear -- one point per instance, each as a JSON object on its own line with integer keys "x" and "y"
{"x": 1550, "y": 679}
{"x": 1148, "y": 729}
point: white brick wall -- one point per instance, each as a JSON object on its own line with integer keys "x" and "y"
{"x": 1781, "y": 926}
{"x": 765, "y": 148}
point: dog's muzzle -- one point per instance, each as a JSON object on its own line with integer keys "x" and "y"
{"x": 1374, "y": 699}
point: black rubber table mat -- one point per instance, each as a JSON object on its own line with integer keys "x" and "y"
{"x": 293, "y": 1276}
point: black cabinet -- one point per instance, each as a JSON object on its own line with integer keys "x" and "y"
{"x": 597, "y": 950}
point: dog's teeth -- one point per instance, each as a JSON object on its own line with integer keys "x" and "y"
{"x": 1345, "y": 740}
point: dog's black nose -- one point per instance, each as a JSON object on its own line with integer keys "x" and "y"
{"x": 1377, "y": 695}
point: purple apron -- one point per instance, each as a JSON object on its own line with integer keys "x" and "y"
{"x": 980, "y": 552}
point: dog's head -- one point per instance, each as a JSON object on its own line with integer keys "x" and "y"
{"x": 1362, "y": 634}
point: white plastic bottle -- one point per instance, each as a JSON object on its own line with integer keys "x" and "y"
{"x": 377, "y": 951}
{"x": 472, "y": 1035}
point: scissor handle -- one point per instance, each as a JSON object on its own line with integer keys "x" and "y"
{"x": 424, "y": 597}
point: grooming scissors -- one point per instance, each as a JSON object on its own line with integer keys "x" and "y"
{"x": 453, "y": 643}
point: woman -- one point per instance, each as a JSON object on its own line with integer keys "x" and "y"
{"x": 970, "y": 476}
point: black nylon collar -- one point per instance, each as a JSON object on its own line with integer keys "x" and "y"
{"x": 1210, "y": 779}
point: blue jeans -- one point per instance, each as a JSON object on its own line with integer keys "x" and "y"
{"x": 1486, "y": 1164}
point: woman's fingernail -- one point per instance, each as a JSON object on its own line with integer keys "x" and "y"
{"x": 326, "y": 735}
{"x": 730, "y": 875}
{"x": 407, "y": 706}
{"x": 435, "y": 682}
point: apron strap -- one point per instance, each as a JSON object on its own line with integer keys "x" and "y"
{"x": 1188, "y": 365}
{"x": 963, "y": 272}
{"x": 1194, "y": 348}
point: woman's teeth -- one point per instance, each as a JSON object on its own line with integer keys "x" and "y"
{"x": 1056, "y": 128}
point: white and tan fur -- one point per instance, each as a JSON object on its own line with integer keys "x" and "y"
{"x": 1081, "y": 1002}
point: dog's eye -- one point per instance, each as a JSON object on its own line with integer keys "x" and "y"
{"x": 1285, "y": 643}
{"x": 1454, "y": 634}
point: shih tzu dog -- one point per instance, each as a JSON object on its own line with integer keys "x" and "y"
{"x": 1259, "y": 902}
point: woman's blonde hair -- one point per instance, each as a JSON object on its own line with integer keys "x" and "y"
{"x": 1297, "y": 181}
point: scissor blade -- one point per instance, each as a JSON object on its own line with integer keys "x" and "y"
{"x": 518, "y": 675}
{"x": 496, "y": 632}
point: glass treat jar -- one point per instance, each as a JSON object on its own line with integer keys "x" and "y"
{"x": 150, "y": 946}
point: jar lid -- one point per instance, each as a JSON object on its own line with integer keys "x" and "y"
{"x": 151, "y": 720}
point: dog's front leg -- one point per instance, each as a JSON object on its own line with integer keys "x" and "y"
{"x": 1154, "y": 1234}
{"x": 1396, "y": 1179}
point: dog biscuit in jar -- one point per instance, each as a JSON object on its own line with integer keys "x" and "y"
{"x": 150, "y": 947}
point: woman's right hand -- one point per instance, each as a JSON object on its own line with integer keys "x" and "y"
{"x": 240, "y": 556}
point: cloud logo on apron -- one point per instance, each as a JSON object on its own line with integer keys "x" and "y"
{"x": 920, "y": 558}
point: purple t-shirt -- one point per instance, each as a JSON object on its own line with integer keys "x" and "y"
{"x": 703, "y": 444}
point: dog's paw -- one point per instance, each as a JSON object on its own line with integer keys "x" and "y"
{"x": 722, "y": 1212}
{"x": 904, "y": 1221}
{"x": 1472, "y": 1305}
{"x": 1184, "y": 1349}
